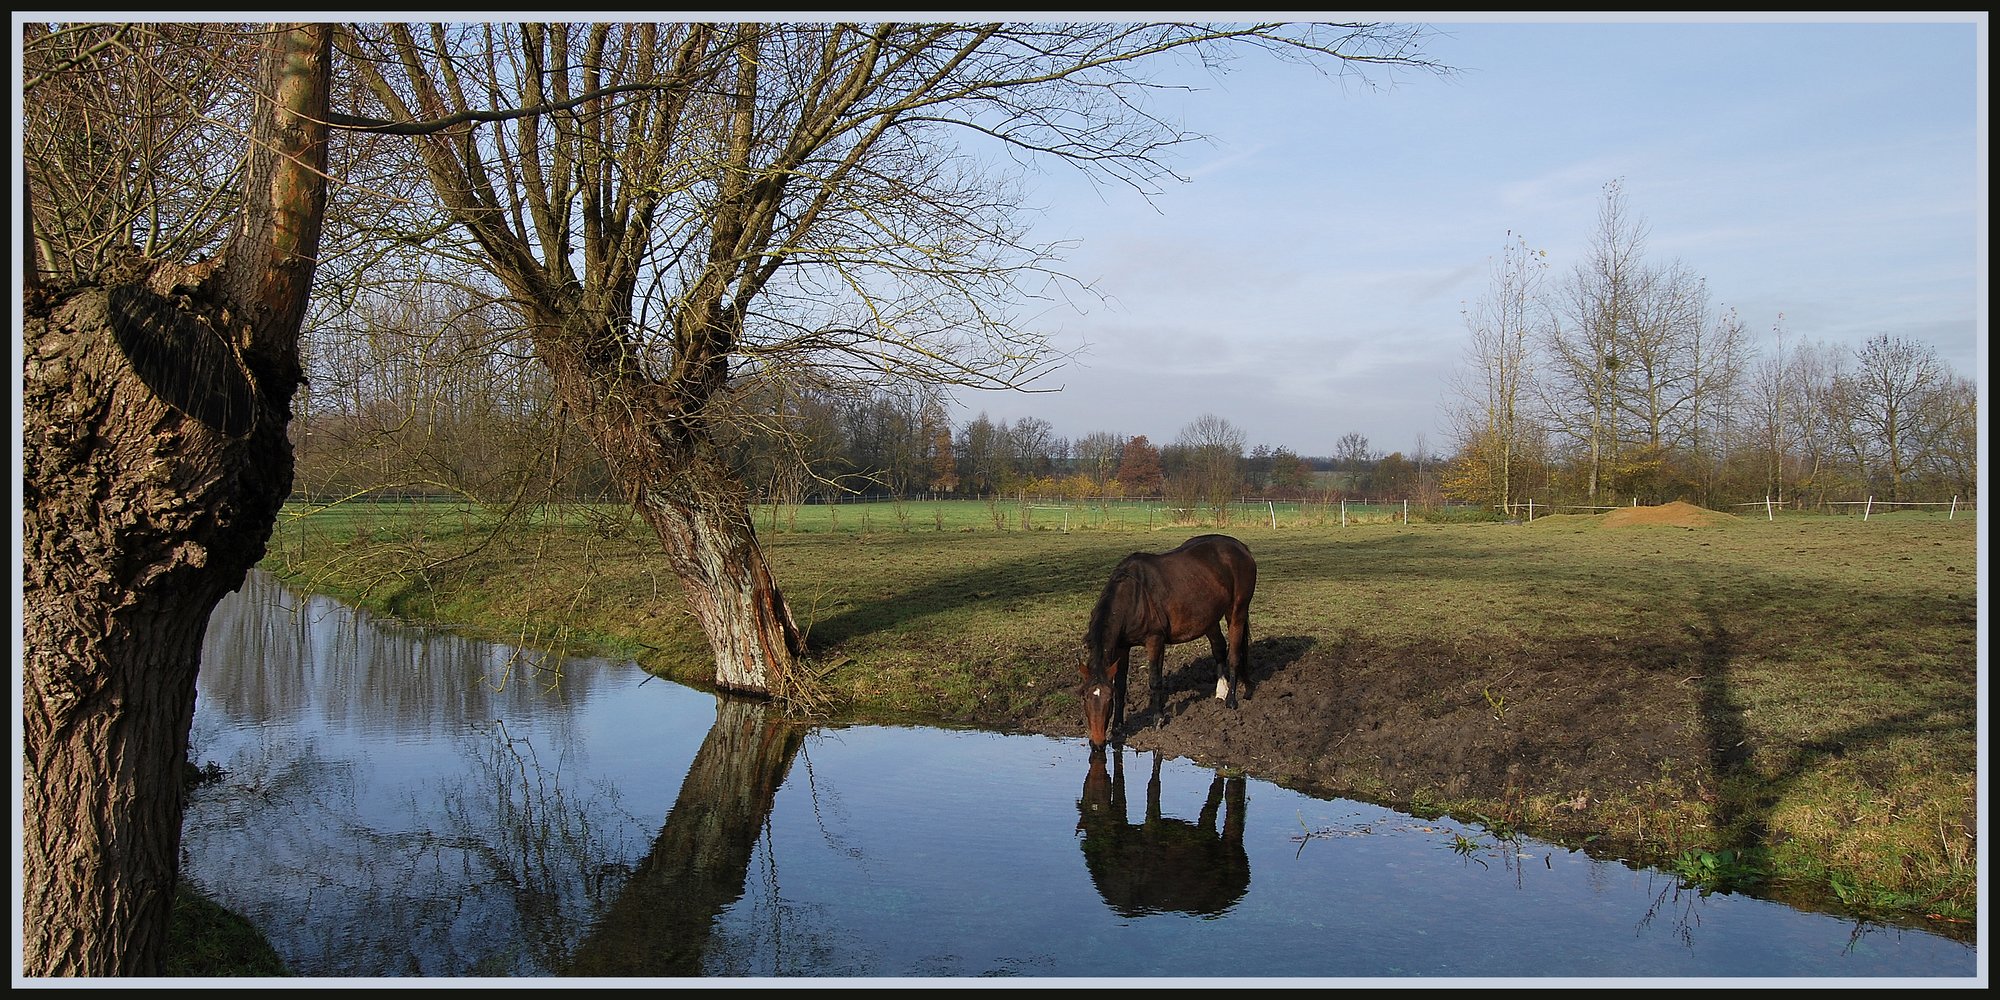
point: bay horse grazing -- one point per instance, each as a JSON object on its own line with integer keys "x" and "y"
{"x": 1158, "y": 600}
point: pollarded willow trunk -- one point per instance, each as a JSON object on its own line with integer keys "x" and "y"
{"x": 654, "y": 437}
{"x": 703, "y": 521}
{"x": 155, "y": 458}
{"x": 136, "y": 518}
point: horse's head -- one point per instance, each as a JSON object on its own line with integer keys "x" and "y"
{"x": 1099, "y": 695}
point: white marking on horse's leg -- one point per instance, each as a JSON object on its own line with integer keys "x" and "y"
{"x": 1222, "y": 688}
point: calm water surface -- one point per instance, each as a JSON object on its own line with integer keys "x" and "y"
{"x": 398, "y": 802}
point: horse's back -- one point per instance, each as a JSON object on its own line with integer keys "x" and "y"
{"x": 1228, "y": 558}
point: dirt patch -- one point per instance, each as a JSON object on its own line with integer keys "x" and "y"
{"x": 1539, "y": 738}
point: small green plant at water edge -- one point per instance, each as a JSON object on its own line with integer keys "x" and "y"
{"x": 1717, "y": 871}
{"x": 1468, "y": 848}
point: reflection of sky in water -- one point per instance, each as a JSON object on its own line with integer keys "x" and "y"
{"x": 856, "y": 874}
{"x": 376, "y": 819}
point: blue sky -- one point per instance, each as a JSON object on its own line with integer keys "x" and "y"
{"x": 1309, "y": 279}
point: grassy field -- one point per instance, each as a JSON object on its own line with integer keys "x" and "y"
{"x": 1848, "y": 668}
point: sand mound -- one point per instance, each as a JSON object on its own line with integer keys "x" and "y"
{"x": 1679, "y": 514}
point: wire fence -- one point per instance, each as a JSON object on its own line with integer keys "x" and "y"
{"x": 405, "y": 516}
{"x": 1868, "y": 507}
{"x": 1530, "y": 509}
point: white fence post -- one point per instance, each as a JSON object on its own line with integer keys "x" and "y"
{"x": 1768, "y": 515}
{"x": 1343, "y": 512}
{"x": 1531, "y": 508}
{"x": 1954, "y": 508}
{"x": 1274, "y": 512}
{"x": 1865, "y": 508}
{"x": 1406, "y": 510}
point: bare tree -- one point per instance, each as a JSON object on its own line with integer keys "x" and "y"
{"x": 681, "y": 210}
{"x": 1892, "y": 381}
{"x": 1352, "y": 454}
{"x": 1033, "y": 443}
{"x": 1637, "y": 370}
{"x": 1097, "y": 456}
{"x": 1771, "y": 409}
{"x": 1585, "y": 360}
{"x": 160, "y": 339}
{"x": 1815, "y": 368}
{"x": 1719, "y": 360}
{"x": 1493, "y": 388}
{"x": 1211, "y": 470}
{"x": 1950, "y": 440}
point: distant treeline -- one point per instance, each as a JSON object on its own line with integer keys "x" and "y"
{"x": 433, "y": 401}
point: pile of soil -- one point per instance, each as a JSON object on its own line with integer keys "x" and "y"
{"x": 1679, "y": 514}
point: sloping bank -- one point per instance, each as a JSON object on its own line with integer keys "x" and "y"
{"x": 1782, "y": 708}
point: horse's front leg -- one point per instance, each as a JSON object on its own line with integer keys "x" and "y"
{"x": 1156, "y": 654}
{"x": 1118, "y": 675}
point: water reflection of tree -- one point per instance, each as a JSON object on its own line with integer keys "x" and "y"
{"x": 1163, "y": 864}
{"x": 546, "y": 850}
{"x": 274, "y": 655}
{"x": 1680, "y": 904}
{"x": 660, "y": 922}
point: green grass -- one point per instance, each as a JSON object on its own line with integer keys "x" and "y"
{"x": 204, "y": 940}
{"x": 1838, "y": 656}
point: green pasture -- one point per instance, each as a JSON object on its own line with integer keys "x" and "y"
{"x": 908, "y": 516}
{"x": 1849, "y": 668}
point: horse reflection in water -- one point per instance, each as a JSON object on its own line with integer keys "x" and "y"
{"x": 1163, "y": 864}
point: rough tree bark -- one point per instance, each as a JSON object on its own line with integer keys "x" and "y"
{"x": 155, "y": 458}
{"x": 661, "y": 450}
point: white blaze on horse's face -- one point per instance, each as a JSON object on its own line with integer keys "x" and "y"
{"x": 1097, "y": 713}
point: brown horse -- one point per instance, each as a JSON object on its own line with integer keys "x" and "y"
{"x": 1157, "y": 600}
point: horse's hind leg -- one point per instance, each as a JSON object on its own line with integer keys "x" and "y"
{"x": 1239, "y": 647}
{"x": 1225, "y": 674}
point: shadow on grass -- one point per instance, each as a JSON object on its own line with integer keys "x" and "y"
{"x": 1075, "y": 576}
{"x": 1072, "y": 576}
{"x": 1747, "y": 816}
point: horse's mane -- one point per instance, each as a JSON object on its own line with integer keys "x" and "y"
{"x": 1132, "y": 567}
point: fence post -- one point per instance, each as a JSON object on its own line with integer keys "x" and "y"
{"x": 1531, "y": 508}
{"x": 1274, "y": 512}
{"x": 1954, "y": 508}
{"x": 1768, "y": 515}
{"x": 1406, "y": 511}
{"x": 1865, "y": 508}
{"x": 1343, "y": 512}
